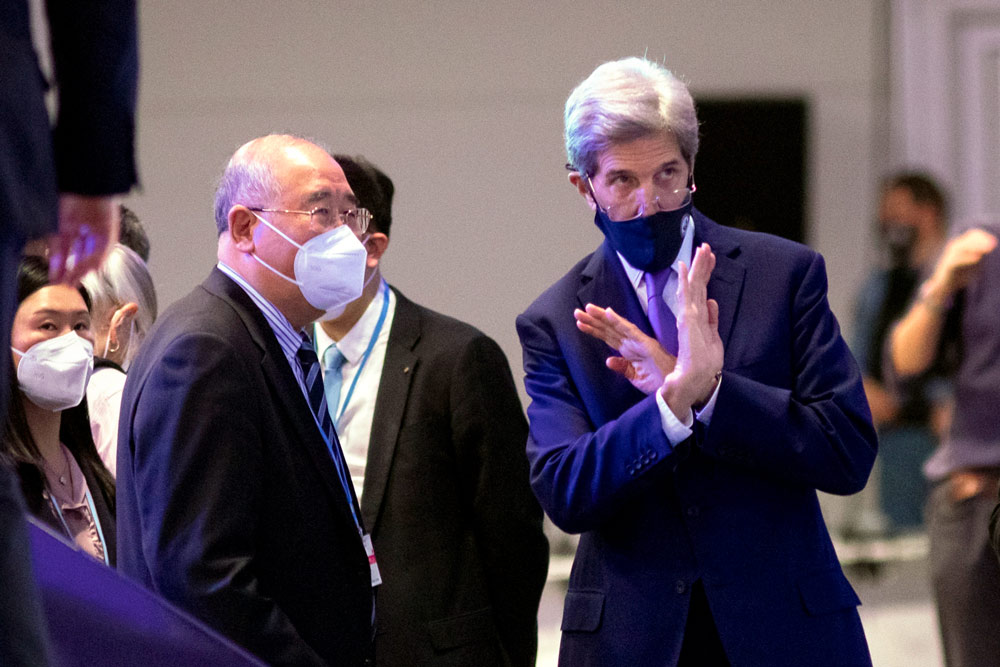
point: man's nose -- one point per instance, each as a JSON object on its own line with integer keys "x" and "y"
{"x": 646, "y": 200}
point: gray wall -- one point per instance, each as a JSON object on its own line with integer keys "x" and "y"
{"x": 461, "y": 103}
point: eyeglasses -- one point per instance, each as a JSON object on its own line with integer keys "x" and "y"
{"x": 630, "y": 204}
{"x": 356, "y": 219}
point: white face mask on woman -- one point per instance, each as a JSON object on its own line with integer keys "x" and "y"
{"x": 53, "y": 373}
{"x": 329, "y": 268}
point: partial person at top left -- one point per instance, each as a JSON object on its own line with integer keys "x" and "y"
{"x": 58, "y": 182}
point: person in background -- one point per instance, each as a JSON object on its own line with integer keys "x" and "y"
{"x": 132, "y": 234}
{"x": 912, "y": 225}
{"x": 58, "y": 183}
{"x": 124, "y": 308}
{"x": 951, "y": 327}
{"x": 434, "y": 434}
{"x": 692, "y": 480}
{"x": 46, "y": 435}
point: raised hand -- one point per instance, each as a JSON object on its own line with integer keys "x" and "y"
{"x": 699, "y": 347}
{"x": 959, "y": 262}
{"x": 88, "y": 228}
{"x": 643, "y": 361}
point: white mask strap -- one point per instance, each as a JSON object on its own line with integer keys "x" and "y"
{"x": 276, "y": 231}
{"x": 275, "y": 271}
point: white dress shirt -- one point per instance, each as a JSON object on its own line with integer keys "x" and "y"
{"x": 676, "y": 430}
{"x": 355, "y": 424}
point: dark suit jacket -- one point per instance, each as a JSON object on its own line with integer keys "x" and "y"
{"x": 457, "y": 532}
{"x": 90, "y": 152}
{"x": 229, "y": 504}
{"x": 735, "y": 505}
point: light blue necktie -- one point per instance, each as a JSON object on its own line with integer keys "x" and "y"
{"x": 333, "y": 379}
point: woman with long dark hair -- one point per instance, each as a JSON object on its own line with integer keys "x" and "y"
{"x": 46, "y": 437}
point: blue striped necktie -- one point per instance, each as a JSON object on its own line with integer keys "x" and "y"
{"x": 317, "y": 402}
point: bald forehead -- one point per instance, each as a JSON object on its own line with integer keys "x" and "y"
{"x": 282, "y": 149}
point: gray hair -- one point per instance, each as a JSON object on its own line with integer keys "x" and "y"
{"x": 123, "y": 278}
{"x": 624, "y": 100}
{"x": 249, "y": 182}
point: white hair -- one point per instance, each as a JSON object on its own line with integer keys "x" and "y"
{"x": 123, "y": 278}
{"x": 624, "y": 100}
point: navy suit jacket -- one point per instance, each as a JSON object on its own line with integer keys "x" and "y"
{"x": 229, "y": 504}
{"x": 90, "y": 150}
{"x": 734, "y": 505}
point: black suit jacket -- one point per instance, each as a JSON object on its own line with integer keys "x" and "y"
{"x": 229, "y": 504}
{"x": 95, "y": 62}
{"x": 457, "y": 531}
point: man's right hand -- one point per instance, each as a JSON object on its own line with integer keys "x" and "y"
{"x": 88, "y": 228}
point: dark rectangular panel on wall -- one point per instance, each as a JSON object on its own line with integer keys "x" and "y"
{"x": 751, "y": 164}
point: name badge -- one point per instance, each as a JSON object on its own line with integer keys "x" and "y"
{"x": 366, "y": 539}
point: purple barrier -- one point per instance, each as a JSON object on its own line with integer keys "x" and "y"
{"x": 98, "y": 617}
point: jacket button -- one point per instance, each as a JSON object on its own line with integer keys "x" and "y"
{"x": 680, "y": 587}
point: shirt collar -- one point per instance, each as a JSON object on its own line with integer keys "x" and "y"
{"x": 288, "y": 338}
{"x": 683, "y": 255}
{"x": 355, "y": 342}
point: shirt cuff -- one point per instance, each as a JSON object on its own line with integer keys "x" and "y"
{"x": 675, "y": 430}
{"x": 705, "y": 414}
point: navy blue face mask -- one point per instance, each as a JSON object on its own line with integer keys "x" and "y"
{"x": 651, "y": 242}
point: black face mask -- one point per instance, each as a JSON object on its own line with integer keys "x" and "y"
{"x": 899, "y": 241}
{"x": 651, "y": 242}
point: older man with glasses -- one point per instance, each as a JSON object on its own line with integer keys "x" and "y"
{"x": 689, "y": 461}
{"x": 234, "y": 499}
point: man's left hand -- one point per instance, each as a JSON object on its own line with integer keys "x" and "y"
{"x": 699, "y": 347}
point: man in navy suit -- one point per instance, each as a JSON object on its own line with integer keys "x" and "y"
{"x": 690, "y": 463}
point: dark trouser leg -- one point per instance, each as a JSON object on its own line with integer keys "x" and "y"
{"x": 966, "y": 577}
{"x": 702, "y": 646}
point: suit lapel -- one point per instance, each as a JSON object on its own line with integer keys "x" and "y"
{"x": 726, "y": 283}
{"x": 286, "y": 393}
{"x": 390, "y": 404}
{"x": 604, "y": 283}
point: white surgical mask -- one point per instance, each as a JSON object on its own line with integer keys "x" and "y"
{"x": 53, "y": 373}
{"x": 329, "y": 268}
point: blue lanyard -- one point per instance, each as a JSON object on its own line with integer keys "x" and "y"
{"x": 368, "y": 352}
{"x": 93, "y": 515}
{"x": 345, "y": 479}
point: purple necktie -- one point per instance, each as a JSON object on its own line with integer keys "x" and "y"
{"x": 660, "y": 315}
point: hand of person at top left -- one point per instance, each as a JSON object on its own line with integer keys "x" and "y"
{"x": 88, "y": 228}
{"x": 643, "y": 361}
{"x": 699, "y": 347}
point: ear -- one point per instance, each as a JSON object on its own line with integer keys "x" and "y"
{"x": 242, "y": 222}
{"x": 376, "y": 245}
{"x": 121, "y": 317}
{"x": 580, "y": 183}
